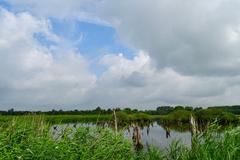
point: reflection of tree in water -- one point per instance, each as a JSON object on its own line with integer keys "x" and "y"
{"x": 137, "y": 137}
{"x": 167, "y": 131}
{"x": 179, "y": 127}
{"x": 148, "y": 129}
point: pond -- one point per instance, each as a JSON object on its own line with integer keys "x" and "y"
{"x": 152, "y": 134}
{"x": 157, "y": 135}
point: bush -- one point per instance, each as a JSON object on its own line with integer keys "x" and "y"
{"x": 213, "y": 114}
{"x": 178, "y": 116}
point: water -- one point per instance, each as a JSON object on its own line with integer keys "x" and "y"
{"x": 154, "y": 134}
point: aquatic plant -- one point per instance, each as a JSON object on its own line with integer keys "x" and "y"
{"x": 30, "y": 138}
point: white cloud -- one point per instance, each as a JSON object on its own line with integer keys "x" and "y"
{"x": 33, "y": 74}
{"x": 138, "y": 83}
{"x": 189, "y": 54}
{"x": 192, "y": 37}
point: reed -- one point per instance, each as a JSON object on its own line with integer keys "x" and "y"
{"x": 30, "y": 138}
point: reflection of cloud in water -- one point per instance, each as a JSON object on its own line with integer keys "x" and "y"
{"x": 156, "y": 135}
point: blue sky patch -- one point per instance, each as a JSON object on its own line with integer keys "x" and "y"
{"x": 92, "y": 40}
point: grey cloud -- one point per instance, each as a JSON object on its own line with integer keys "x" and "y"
{"x": 192, "y": 37}
{"x": 135, "y": 79}
{"x": 190, "y": 56}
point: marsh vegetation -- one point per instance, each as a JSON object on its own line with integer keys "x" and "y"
{"x": 30, "y": 138}
{"x": 139, "y": 135}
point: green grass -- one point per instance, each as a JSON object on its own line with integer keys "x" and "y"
{"x": 173, "y": 117}
{"x": 29, "y": 138}
{"x": 56, "y": 119}
{"x": 121, "y": 116}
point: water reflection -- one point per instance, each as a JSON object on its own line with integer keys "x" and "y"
{"x": 160, "y": 136}
{"x": 143, "y": 134}
{"x": 136, "y": 137}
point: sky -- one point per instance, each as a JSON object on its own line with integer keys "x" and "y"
{"x": 80, "y": 54}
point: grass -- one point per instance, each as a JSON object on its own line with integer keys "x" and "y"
{"x": 213, "y": 144}
{"x": 173, "y": 117}
{"x": 122, "y": 116}
{"x": 29, "y": 138}
{"x": 56, "y": 119}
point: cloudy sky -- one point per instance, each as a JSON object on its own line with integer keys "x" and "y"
{"x": 136, "y": 53}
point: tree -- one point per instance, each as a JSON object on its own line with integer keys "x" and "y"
{"x": 11, "y": 111}
{"x": 127, "y": 110}
{"x": 179, "y": 108}
{"x": 189, "y": 108}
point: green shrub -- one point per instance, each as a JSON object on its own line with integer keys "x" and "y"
{"x": 213, "y": 114}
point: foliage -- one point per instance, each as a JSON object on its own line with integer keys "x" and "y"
{"x": 178, "y": 115}
{"x": 30, "y": 138}
{"x": 161, "y": 110}
{"x": 212, "y": 114}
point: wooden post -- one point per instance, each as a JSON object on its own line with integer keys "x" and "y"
{"x": 115, "y": 121}
{"x": 193, "y": 125}
{"x": 194, "y": 131}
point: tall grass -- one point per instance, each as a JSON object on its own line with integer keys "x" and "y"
{"x": 212, "y": 144}
{"x": 31, "y": 138}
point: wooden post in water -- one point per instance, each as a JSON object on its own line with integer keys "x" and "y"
{"x": 194, "y": 131}
{"x": 137, "y": 138}
{"x": 193, "y": 125}
{"x": 115, "y": 121}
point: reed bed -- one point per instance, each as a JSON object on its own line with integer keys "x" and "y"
{"x": 30, "y": 138}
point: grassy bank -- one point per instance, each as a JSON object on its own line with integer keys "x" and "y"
{"x": 206, "y": 115}
{"x": 122, "y": 116}
{"x": 29, "y": 138}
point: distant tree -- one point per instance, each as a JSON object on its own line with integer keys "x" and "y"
{"x": 60, "y": 111}
{"x": 189, "y": 108}
{"x": 53, "y": 111}
{"x": 198, "y": 109}
{"x": 162, "y": 110}
{"x": 109, "y": 110}
{"x": 134, "y": 110}
{"x": 99, "y": 109}
{"x": 11, "y": 111}
{"x": 127, "y": 110}
{"x": 118, "y": 109}
{"x": 178, "y": 108}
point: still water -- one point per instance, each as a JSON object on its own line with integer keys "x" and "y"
{"x": 157, "y": 136}
{"x": 154, "y": 134}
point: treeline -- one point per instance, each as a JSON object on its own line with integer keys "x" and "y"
{"x": 232, "y": 109}
{"x": 162, "y": 110}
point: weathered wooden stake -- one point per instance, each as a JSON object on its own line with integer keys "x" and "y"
{"x": 115, "y": 121}
{"x": 194, "y": 131}
{"x": 193, "y": 125}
